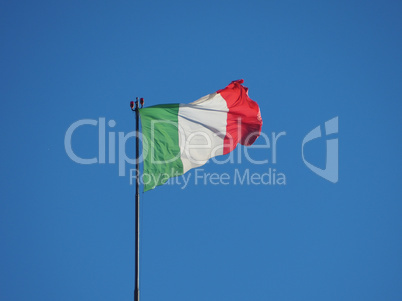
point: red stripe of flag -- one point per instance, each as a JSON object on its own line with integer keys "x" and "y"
{"x": 244, "y": 118}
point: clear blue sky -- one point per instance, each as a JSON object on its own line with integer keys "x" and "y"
{"x": 67, "y": 229}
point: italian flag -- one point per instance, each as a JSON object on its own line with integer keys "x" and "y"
{"x": 179, "y": 137}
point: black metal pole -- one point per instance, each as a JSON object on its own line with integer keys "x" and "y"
{"x": 137, "y": 204}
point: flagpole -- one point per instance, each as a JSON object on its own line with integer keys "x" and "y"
{"x": 137, "y": 202}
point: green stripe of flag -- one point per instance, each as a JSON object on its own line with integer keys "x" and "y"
{"x": 161, "y": 148}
